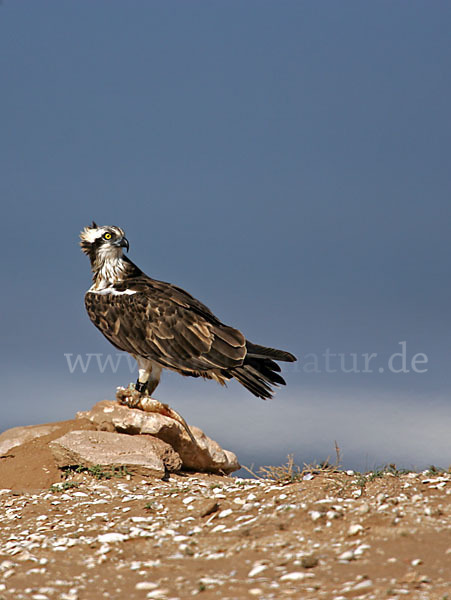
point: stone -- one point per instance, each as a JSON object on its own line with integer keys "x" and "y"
{"x": 16, "y": 436}
{"x": 347, "y": 556}
{"x": 257, "y": 570}
{"x": 146, "y": 585}
{"x": 361, "y": 549}
{"x": 309, "y": 562}
{"x": 204, "y": 455}
{"x": 355, "y": 529}
{"x": 294, "y": 576}
{"x": 363, "y": 585}
{"x": 140, "y": 454}
{"x": 364, "y": 508}
{"x": 188, "y": 499}
{"x": 30, "y": 465}
{"x": 209, "y": 508}
{"x": 108, "y": 538}
{"x": 315, "y": 515}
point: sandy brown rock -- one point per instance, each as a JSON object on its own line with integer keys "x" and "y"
{"x": 140, "y": 454}
{"x": 27, "y": 462}
{"x": 30, "y": 465}
{"x": 205, "y": 455}
{"x": 17, "y": 436}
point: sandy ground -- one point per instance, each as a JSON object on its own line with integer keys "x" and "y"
{"x": 334, "y": 536}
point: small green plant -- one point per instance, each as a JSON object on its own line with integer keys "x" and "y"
{"x": 120, "y": 471}
{"x": 240, "y": 482}
{"x": 97, "y": 471}
{"x": 376, "y": 474}
{"x": 383, "y": 470}
{"x": 434, "y": 471}
{"x": 202, "y": 587}
{"x": 73, "y": 470}
{"x": 66, "y": 485}
{"x": 360, "y": 480}
{"x": 393, "y": 469}
{"x": 215, "y": 485}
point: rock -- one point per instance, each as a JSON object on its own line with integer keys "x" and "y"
{"x": 108, "y": 538}
{"x": 30, "y": 465}
{"x": 188, "y": 499}
{"x": 315, "y": 515}
{"x": 354, "y": 529}
{"x": 157, "y": 594}
{"x": 309, "y": 562}
{"x": 361, "y": 549}
{"x": 347, "y": 556}
{"x": 28, "y": 460}
{"x": 256, "y": 570}
{"x": 205, "y": 455}
{"x": 363, "y": 585}
{"x": 209, "y": 508}
{"x": 19, "y": 435}
{"x": 295, "y": 576}
{"x": 364, "y": 508}
{"x": 140, "y": 454}
{"x": 146, "y": 585}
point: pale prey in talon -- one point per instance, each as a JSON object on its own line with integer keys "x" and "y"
{"x": 130, "y": 397}
{"x": 164, "y": 327}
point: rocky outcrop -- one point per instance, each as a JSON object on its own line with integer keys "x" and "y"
{"x": 203, "y": 454}
{"x": 141, "y": 455}
{"x": 16, "y": 436}
{"x": 110, "y": 435}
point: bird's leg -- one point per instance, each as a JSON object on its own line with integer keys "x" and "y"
{"x": 140, "y": 386}
{"x": 147, "y": 387}
{"x": 148, "y": 378}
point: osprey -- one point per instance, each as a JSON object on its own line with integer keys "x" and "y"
{"x": 164, "y": 327}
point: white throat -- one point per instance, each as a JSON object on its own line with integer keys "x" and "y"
{"x": 111, "y": 271}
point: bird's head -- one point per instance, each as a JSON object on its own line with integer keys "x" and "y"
{"x": 103, "y": 242}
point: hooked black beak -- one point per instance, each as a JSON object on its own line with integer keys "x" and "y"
{"x": 123, "y": 243}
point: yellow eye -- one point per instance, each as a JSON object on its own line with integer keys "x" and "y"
{"x": 107, "y": 236}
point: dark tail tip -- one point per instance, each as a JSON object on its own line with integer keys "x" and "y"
{"x": 257, "y": 351}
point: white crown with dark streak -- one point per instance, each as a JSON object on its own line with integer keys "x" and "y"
{"x": 104, "y": 245}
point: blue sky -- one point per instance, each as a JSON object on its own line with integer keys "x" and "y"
{"x": 285, "y": 162}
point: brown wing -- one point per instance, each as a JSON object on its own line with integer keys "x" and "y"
{"x": 165, "y": 324}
